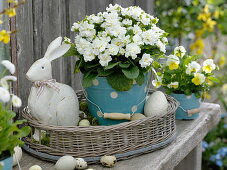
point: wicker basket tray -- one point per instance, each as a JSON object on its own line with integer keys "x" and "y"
{"x": 123, "y": 140}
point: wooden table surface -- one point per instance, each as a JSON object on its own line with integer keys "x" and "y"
{"x": 189, "y": 135}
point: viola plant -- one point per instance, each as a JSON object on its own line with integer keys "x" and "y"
{"x": 10, "y": 134}
{"x": 183, "y": 74}
{"x": 121, "y": 44}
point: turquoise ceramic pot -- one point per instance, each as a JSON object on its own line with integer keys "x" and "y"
{"x": 7, "y": 163}
{"x": 187, "y": 103}
{"x": 112, "y": 101}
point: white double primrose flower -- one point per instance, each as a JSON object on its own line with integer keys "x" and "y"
{"x": 146, "y": 60}
{"x": 119, "y": 33}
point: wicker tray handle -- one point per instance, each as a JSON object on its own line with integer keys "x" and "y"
{"x": 193, "y": 111}
{"x": 117, "y": 116}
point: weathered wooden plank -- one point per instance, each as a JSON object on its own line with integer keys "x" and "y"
{"x": 51, "y": 23}
{"x": 95, "y": 6}
{"x": 37, "y": 8}
{"x": 146, "y": 5}
{"x": 77, "y": 12}
{"x": 24, "y": 46}
{"x": 124, "y": 3}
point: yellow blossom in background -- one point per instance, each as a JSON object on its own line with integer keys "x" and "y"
{"x": 224, "y": 89}
{"x": 198, "y": 79}
{"x": 209, "y": 82}
{"x": 206, "y": 95}
{"x": 1, "y": 21}
{"x": 216, "y": 13}
{"x": 198, "y": 46}
{"x": 4, "y": 36}
{"x": 203, "y": 16}
{"x": 222, "y": 61}
{"x": 199, "y": 33}
{"x": 11, "y": 12}
{"x": 209, "y": 24}
{"x": 13, "y": 1}
{"x": 206, "y": 8}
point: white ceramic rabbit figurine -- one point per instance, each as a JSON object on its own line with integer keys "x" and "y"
{"x": 50, "y": 102}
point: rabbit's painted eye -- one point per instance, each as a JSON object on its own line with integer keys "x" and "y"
{"x": 42, "y": 67}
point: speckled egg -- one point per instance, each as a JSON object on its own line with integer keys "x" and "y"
{"x": 108, "y": 161}
{"x": 156, "y": 104}
{"x": 81, "y": 163}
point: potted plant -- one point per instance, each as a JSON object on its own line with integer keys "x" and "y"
{"x": 10, "y": 133}
{"x": 185, "y": 79}
{"x": 116, "y": 49}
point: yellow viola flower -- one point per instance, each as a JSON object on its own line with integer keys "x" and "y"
{"x": 157, "y": 82}
{"x": 4, "y": 36}
{"x": 208, "y": 66}
{"x": 222, "y": 61}
{"x": 173, "y": 85}
{"x": 173, "y": 62}
{"x": 193, "y": 67}
{"x": 198, "y": 46}
{"x": 11, "y": 12}
{"x": 198, "y": 79}
{"x": 179, "y": 51}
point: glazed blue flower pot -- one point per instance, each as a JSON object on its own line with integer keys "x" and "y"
{"x": 7, "y": 163}
{"x": 109, "y": 100}
{"x": 186, "y": 103}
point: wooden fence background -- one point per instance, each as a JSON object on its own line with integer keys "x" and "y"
{"x": 40, "y": 21}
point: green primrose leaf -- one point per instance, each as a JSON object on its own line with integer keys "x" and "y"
{"x": 119, "y": 82}
{"x": 131, "y": 73}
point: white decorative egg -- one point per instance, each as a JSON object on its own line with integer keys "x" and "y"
{"x": 35, "y": 167}
{"x": 156, "y": 104}
{"x": 65, "y": 163}
{"x": 81, "y": 163}
{"x": 17, "y": 155}
{"x": 108, "y": 161}
{"x": 137, "y": 116}
{"x": 84, "y": 122}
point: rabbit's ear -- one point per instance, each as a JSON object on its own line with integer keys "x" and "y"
{"x": 53, "y": 45}
{"x": 58, "y": 52}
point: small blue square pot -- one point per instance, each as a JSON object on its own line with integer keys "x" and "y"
{"x": 7, "y": 163}
{"x": 187, "y": 103}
